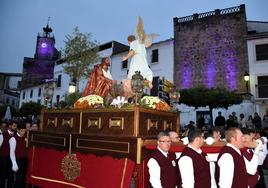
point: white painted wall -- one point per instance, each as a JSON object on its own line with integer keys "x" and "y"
{"x": 35, "y": 97}
{"x": 257, "y": 68}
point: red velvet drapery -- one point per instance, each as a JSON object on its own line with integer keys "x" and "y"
{"x": 96, "y": 172}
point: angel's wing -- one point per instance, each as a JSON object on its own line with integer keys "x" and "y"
{"x": 149, "y": 39}
{"x": 142, "y": 36}
{"x": 140, "y": 31}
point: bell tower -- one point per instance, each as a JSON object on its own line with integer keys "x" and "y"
{"x": 45, "y": 44}
{"x": 41, "y": 67}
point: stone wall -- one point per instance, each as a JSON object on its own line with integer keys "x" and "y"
{"x": 210, "y": 49}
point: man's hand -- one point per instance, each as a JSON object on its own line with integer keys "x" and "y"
{"x": 15, "y": 167}
{"x": 124, "y": 58}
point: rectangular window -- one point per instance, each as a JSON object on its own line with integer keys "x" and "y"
{"x": 124, "y": 64}
{"x": 57, "y": 99}
{"x": 39, "y": 92}
{"x": 262, "y": 86}
{"x": 155, "y": 56}
{"x": 262, "y": 52}
{"x": 59, "y": 81}
{"x": 31, "y": 94}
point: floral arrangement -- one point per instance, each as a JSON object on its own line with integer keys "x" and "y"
{"x": 154, "y": 103}
{"x": 90, "y": 101}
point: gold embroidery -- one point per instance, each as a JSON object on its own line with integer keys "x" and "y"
{"x": 70, "y": 167}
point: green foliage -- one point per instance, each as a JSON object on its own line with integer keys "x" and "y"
{"x": 70, "y": 100}
{"x": 214, "y": 97}
{"x": 62, "y": 104}
{"x": 31, "y": 108}
{"x": 80, "y": 53}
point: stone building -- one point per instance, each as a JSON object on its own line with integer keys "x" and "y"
{"x": 210, "y": 49}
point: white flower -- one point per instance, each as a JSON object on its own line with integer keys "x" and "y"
{"x": 119, "y": 101}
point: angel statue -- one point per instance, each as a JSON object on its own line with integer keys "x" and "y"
{"x": 137, "y": 52}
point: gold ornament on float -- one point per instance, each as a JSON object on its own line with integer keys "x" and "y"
{"x": 70, "y": 167}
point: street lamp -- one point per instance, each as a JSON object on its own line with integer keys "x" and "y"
{"x": 72, "y": 87}
{"x": 246, "y": 78}
{"x": 48, "y": 93}
{"x": 174, "y": 96}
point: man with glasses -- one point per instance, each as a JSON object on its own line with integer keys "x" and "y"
{"x": 194, "y": 168}
{"x": 163, "y": 170}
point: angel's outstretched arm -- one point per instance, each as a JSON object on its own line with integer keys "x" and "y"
{"x": 130, "y": 54}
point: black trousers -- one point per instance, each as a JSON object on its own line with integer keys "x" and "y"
{"x": 261, "y": 182}
{"x": 20, "y": 175}
{"x": 6, "y": 174}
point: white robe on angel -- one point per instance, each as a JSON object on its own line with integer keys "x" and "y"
{"x": 139, "y": 61}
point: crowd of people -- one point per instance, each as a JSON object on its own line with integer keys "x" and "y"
{"x": 252, "y": 122}
{"x": 238, "y": 164}
{"x": 13, "y": 153}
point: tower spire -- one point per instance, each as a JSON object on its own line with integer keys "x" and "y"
{"x": 47, "y": 30}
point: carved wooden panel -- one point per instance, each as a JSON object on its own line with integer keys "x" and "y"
{"x": 61, "y": 121}
{"x": 50, "y": 140}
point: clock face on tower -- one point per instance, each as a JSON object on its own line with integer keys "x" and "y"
{"x": 43, "y": 45}
{"x": 45, "y": 48}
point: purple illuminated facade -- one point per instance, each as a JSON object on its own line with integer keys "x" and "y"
{"x": 45, "y": 48}
{"x": 210, "y": 49}
{"x": 41, "y": 67}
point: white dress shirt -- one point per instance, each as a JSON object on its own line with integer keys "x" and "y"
{"x": 262, "y": 153}
{"x": 12, "y": 145}
{"x": 212, "y": 159}
{"x": 187, "y": 170}
{"x": 154, "y": 171}
{"x": 226, "y": 164}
